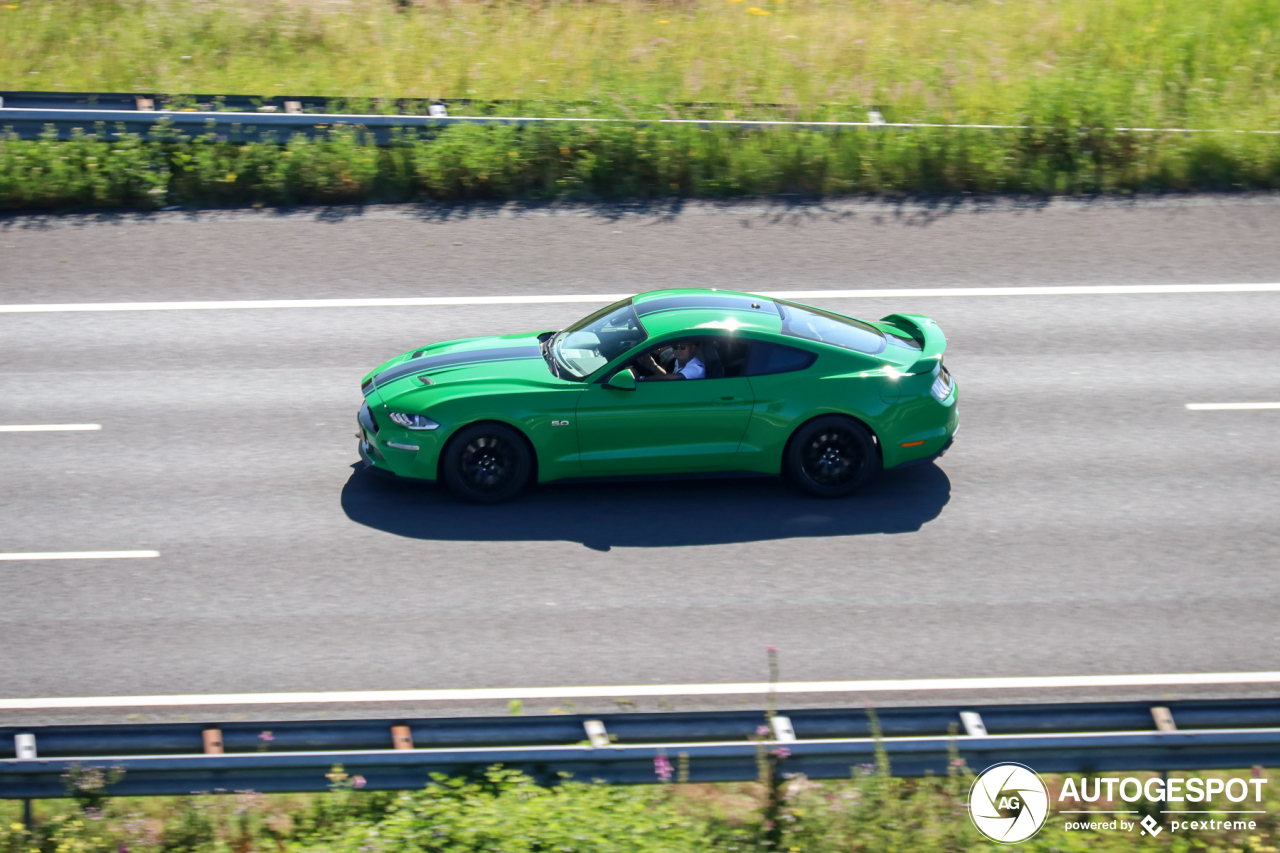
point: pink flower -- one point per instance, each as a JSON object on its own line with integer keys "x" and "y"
{"x": 762, "y": 730}
{"x": 662, "y": 767}
{"x": 357, "y": 782}
{"x": 782, "y": 752}
{"x": 770, "y": 648}
{"x": 267, "y": 737}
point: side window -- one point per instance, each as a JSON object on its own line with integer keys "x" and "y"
{"x": 722, "y": 357}
{"x": 775, "y": 358}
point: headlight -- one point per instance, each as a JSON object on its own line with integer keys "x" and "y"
{"x": 941, "y": 386}
{"x": 413, "y": 421}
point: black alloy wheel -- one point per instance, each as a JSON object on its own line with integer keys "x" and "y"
{"x": 486, "y": 463}
{"x": 832, "y": 456}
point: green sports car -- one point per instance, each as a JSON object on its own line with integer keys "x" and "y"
{"x": 672, "y": 382}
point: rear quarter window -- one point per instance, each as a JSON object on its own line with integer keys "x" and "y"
{"x": 812, "y": 324}
{"x": 766, "y": 359}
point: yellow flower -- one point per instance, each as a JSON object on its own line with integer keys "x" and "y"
{"x": 660, "y": 21}
{"x": 758, "y": 11}
{"x": 230, "y": 178}
{"x": 16, "y": 827}
{"x": 10, "y": 7}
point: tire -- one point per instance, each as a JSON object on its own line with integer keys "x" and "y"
{"x": 832, "y": 456}
{"x": 486, "y": 463}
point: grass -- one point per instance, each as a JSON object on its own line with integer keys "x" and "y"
{"x": 869, "y": 812}
{"x": 1197, "y": 63}
{"x": 1073, "y": 71}
{"x": 590, "y": 163}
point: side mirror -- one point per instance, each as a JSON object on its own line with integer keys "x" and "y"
{"x": 623, "y": 380}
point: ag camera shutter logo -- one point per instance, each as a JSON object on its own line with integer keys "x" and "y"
{"x": 1009, "y": 803}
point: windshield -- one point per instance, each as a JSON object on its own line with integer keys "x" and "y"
{"x": 800, "y": 321}
{"x": 594, "y": 341}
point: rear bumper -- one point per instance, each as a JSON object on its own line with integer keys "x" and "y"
{"x": 933, "y": 457}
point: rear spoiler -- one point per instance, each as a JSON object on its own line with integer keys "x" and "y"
{"x": 926, "y": 333}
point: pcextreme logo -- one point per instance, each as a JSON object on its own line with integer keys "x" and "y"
{"x": 1009, "y": 803}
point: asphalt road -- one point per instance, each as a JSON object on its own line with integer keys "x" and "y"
{"x": 1085, "y": 523}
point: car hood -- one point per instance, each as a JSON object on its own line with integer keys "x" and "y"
{"x": 504, "y": 357}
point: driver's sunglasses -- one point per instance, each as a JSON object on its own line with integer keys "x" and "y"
{"x": 682, "y": 346}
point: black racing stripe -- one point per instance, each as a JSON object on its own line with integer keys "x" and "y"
{"x": 435, "y": 362}
{"x": 726, "y": 302}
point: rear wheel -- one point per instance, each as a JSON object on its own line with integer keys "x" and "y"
{"x": 486, "y": 463}
{"x": 832, "y": 456}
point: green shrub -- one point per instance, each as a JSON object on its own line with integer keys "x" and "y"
{"x": 623, "y": 161}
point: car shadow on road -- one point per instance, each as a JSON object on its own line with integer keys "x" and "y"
{"x": 663, "y": 514}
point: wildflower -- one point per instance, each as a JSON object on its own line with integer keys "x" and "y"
{"x": 957, "y": 762}
{"x": 231, "y": 177}
{"x": 660, "y": 21}
{"x": 358, "y": 781}
{"x": 17, "y": 827}
{"x": 266, "y": 737}
{"x": 755, "y": 10}
{"x": 782, "y": 752}
{"x": 770, "y": 648}
{"x": 762, "y": 730}
{"x": 662, "y": 767}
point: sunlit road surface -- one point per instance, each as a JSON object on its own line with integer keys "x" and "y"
{"x": 1087, "y": 523}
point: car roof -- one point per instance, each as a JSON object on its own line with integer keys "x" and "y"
{"x": 694, "y": 309}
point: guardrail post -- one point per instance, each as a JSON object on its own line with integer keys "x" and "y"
{"x": 783, "y": 731}
{"x": 24, "y": 745}
{"x": 973, "y": 725}
{"x": 596, "y": 732}
{"x": 1163, "y": 718}
{"x": 212, "y": 741}
{"x": 27, "y": 820}
{"x": 401, "y": 737}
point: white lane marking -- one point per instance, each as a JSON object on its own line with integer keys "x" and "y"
{"x": 633, "y": 690}
{"x": 1217, "y": 407}
{"x": 48, "y": 427}
{"x": 79, "y": 555}
{"x": 895, "y": 293}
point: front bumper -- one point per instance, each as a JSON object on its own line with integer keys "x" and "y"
{"x": 388, "y": 449}
{"x": 368, "y": 429}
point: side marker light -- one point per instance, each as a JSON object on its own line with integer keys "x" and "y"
{"x": 912, "y": 443}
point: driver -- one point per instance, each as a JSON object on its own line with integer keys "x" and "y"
{"x": 687, "y": 364}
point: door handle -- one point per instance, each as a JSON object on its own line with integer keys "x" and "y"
{"x": 730, "y": 399}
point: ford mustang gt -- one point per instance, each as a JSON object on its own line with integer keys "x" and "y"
{"x": 764, "y": 386}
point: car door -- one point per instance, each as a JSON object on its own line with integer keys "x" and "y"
{"x": 663, "y": 427}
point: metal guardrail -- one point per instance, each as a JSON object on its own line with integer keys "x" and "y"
{"x": 113, "y": 116}
{"x": 706, "y": 762}
{"x": 299, "y": 755}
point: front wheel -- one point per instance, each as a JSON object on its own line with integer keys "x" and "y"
{"x": 486, "y": 463}
{"x": 832, "y": 456}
